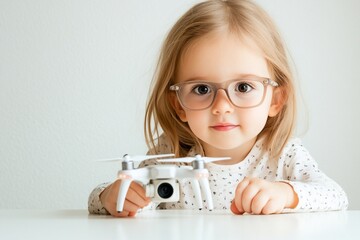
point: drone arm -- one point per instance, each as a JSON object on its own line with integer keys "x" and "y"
{"x": 197, "y": 192}
{"x": 142, "y": 175}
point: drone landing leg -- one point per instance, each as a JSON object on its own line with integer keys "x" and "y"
{"x": 204, "y": 183}
{"x": 123, "y": 189}
{"x": 197, "y": 192}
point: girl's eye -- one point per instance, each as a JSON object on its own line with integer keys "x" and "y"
{"x": 202, "y": 89}
{"x": 243, "y": 87}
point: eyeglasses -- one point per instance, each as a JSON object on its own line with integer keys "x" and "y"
{"x": 243, "y": 93}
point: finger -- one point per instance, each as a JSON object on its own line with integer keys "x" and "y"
{"x": 132, "y": 214}
{"x": 247, "y": 196}
{"x": 238, "y": 194}
{"x": 121, "y": 214}
{"x": 110, "y": 203}
{"x": 259, "y": 202}
{"x": 130, "y": 206}
{"x": 139, "y": 190}
{"x": 109, "y": 196}
{"x": 271, "y": 207}
{"x": 130, "y": 210}
{"x": 234, "y": 209}
{"x": 111, "y": 208}
{"x": 112, "y": 192}
{"x": 135, "y": 194}
{"x": 135, "y": 198}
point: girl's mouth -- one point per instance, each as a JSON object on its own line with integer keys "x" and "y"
{"x": 224, "y": 126}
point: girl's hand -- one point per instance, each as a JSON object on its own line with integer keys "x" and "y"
{"x": 135, "y": 199}
{"x": 258, "y": 196}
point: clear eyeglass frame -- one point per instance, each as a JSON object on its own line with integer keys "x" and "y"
{"x": 224, "y": 86}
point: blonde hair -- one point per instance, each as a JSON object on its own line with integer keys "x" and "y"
{"x": 239, "y": 16}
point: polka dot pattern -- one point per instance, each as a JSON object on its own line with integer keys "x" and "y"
{"x": 316, "y": 191}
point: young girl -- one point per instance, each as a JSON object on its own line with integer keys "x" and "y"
{"x": 223, "y": 87}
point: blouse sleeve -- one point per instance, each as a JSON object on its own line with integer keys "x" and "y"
{"x": 315, "y": 190}
{"x": 94, "y": 204}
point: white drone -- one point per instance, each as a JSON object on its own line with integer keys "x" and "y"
{"x": 161, "y": 181}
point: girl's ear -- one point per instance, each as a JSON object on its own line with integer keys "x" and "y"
{"x": 177, "y": 107}
{"x": 277, "y": 102}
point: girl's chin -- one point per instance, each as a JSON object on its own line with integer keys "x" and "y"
{"x": 228, "y": 144}
{"x": 224, "y": 145}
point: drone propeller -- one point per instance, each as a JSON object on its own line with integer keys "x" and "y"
{"x": 137, "y": 158}
{"x": 195, "y": 158}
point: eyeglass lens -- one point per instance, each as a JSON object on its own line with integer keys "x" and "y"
{"x": 242, "y": 93}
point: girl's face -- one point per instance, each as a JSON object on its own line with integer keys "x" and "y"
{"x": 217, "y": 58}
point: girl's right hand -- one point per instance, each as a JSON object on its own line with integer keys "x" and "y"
{"x": 135, "y": 199}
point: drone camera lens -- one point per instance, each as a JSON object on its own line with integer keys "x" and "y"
{"x": 165, "y": 190}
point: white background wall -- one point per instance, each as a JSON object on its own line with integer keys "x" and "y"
{"x": 74, "y": 76}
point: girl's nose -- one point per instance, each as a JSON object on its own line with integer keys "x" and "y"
{"x": 222, "y": 103}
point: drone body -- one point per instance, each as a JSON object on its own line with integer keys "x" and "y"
{"x": 161, "y": 181}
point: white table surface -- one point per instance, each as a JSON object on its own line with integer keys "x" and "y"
{"x": 177, "y": 224}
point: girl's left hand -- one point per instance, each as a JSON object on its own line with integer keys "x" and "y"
{"x": 258, "y": 196}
